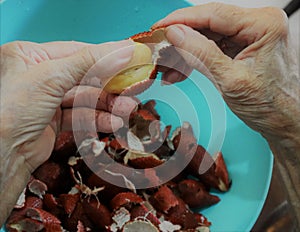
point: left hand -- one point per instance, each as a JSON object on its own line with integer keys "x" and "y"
{"x": 35, "y": 107}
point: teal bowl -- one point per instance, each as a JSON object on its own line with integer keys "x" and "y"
{"x": 246, "y": 153}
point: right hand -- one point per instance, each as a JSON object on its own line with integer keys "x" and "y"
{"x": 248, "y": 56}
{"x": 246, "y": 53}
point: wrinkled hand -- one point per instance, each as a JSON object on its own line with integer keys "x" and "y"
{"x": 39, "y": 83}
{"x": 246, "y": 53}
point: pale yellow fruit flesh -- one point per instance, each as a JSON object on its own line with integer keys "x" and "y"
{"x": 139, "y": 68}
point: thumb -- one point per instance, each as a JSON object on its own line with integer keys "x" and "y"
{"x": 102, "y": 61}
{"x": 198, "y": 51}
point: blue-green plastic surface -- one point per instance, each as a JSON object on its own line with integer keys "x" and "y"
{"x": 248, "y": 156}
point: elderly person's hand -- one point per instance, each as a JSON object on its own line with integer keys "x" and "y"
{"x": 247, "y": 54}
{"x": 38, "y": 87}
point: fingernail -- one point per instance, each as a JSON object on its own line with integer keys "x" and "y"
{"x": 124, "y": 50}
{"x": 116, "y": 123}
{"x": 123, "y": 106}
{"x": 107, "y": 122}
{"x": 117, "y": 60}
{"x": 175, "y": 35}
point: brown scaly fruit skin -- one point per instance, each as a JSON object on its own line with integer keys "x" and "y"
{"x": 125, "y": 199}
{"x": 153, "y": 36}
{"x": 195, "y": 195}
{"x": 216, "y": 176}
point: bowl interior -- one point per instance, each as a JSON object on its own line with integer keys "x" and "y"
{"x": 195, "y": 100}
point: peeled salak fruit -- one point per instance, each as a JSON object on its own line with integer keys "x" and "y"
{"x": 142, "y": 69}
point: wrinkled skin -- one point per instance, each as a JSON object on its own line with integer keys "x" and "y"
{"x": 38, "y": 85}
{"x": 247, "y": 54}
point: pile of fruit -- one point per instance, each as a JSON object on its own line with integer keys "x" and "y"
{"x": 70, "y": 191}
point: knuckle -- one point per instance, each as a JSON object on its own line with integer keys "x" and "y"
{"x": 178, "y": 12}
{"x": 279, "y": 19}
{"x": 181, "y": 15}
{"x": 282, "y": 21}
{"x": 220, "y": 8}
{"x": 16, "y": 46}
{"x": 12, "y": 47}
{"x": 216, "y": 5}
{"x": 87, "y": 56}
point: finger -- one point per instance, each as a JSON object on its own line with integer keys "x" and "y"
{"x": 85, "y": 119}
{"x": 60, "y": 49}
{"x": 58, "y": 76}
{"x": 173, "y": 66}
{"x": 35, "y": 53}
{"x": 199, "y": 52}
{"x": 240, "y": 23}
{"x": 214, "y": 16}
{"x": 229, "y": 45}
{"x": 178, "y": 73}
{"x": 41, "y": 148}
{"x": 96, "y": 98}
{"x": 173, "y": 76}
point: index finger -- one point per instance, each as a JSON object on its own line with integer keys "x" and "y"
{"x": 96, "y": 98}
{"x": 61, "y": 49}
{"x": 218, "y": 17}
{"x": 244, "y": 25}
{"x": 38, "y": 52}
